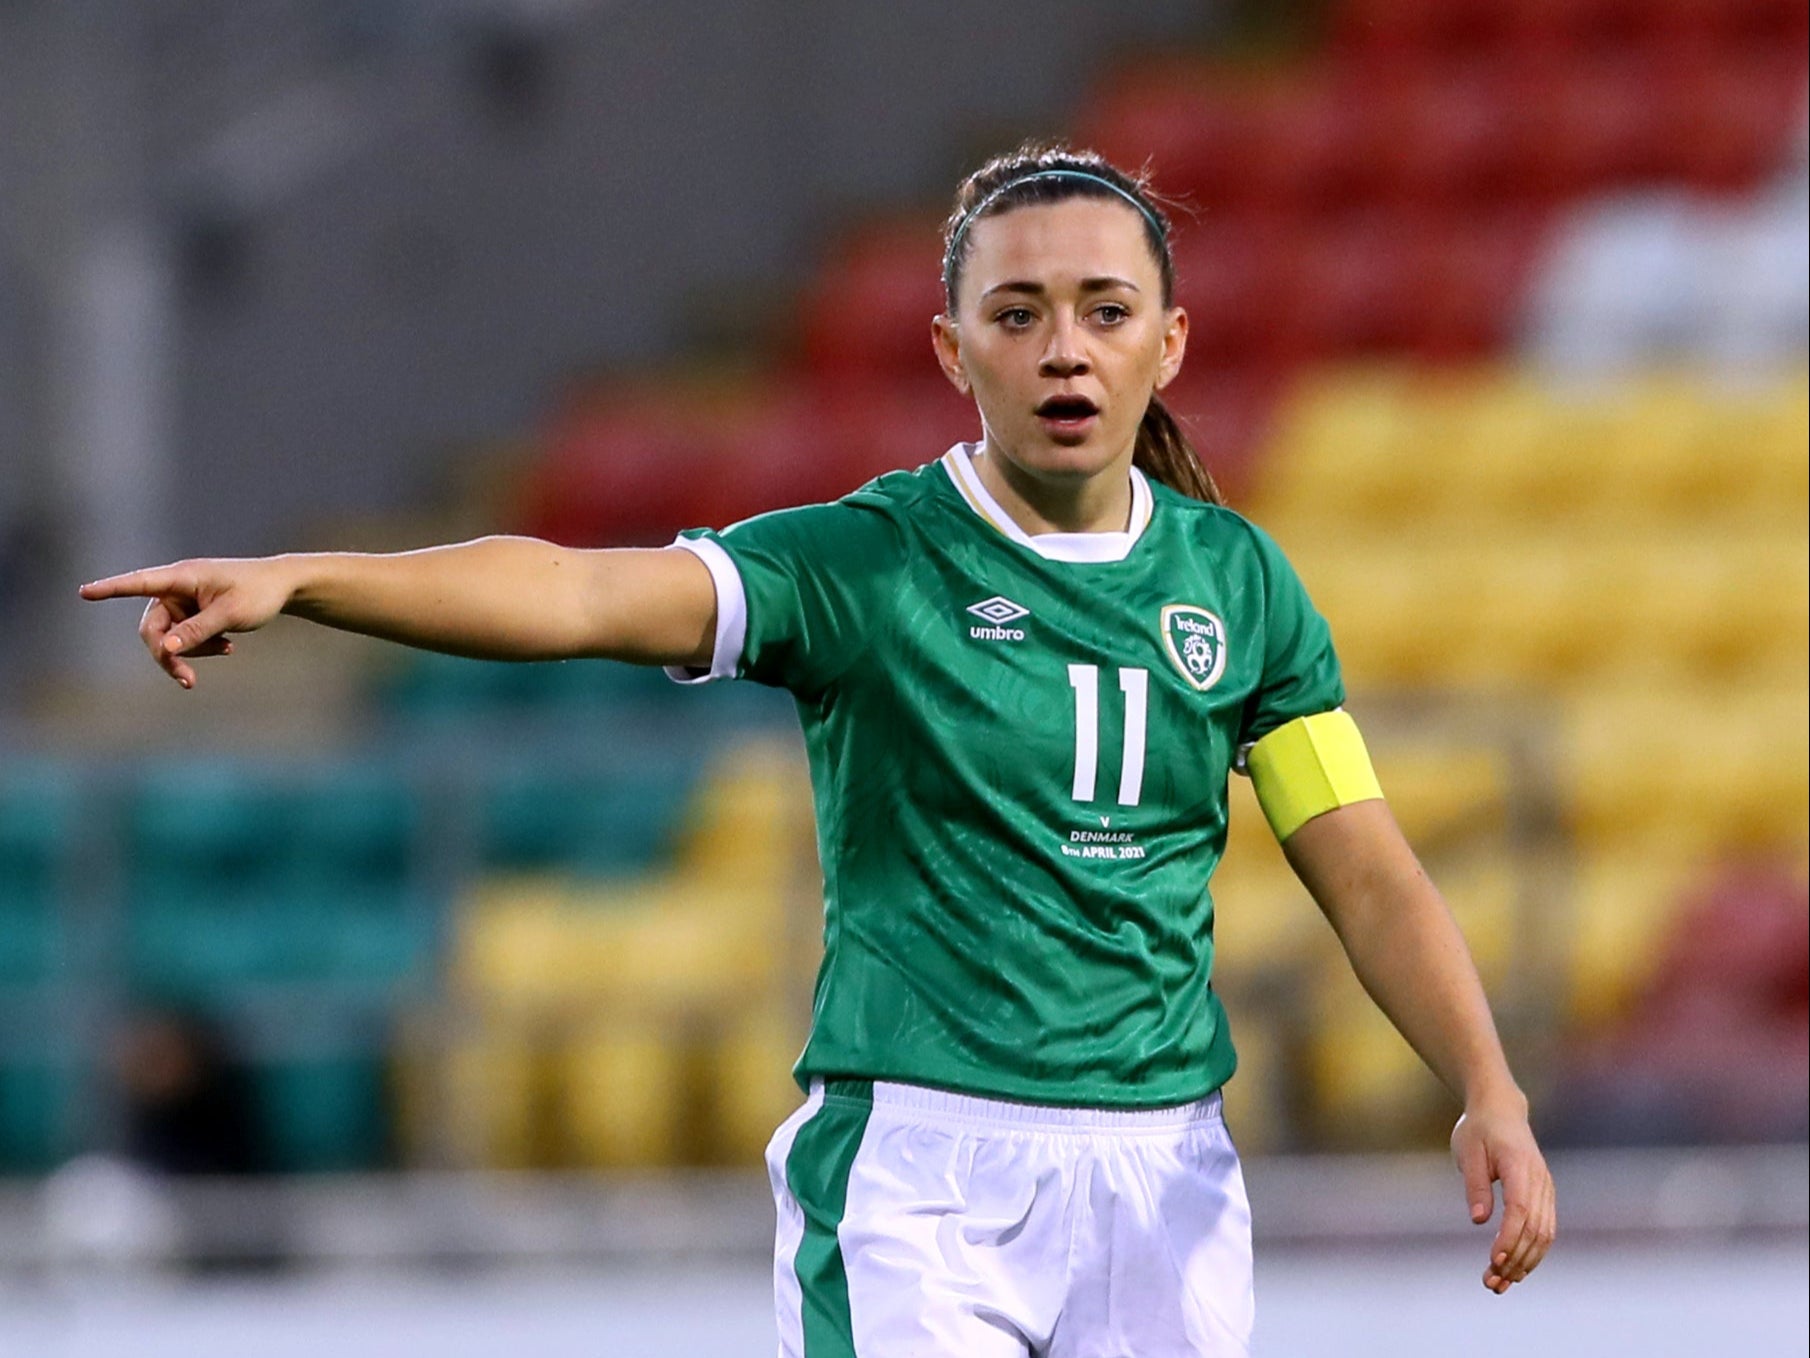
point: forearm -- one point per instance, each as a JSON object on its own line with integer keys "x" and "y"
{"x": 1408, "y": 952}
{"x": 1413, "y": 961}
{"x": 501, "y": 598}
{"x": 1405, "y": 947}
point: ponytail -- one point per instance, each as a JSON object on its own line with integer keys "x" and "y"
{"x": 1164, "y": 454}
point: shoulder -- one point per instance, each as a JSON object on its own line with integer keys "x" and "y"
{"x": 902, "y": 493}
{"x": 872, "y": 521}
{"x": 1218, "y": 528}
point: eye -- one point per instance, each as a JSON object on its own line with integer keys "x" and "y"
{"x": 1015, "y": 317}
{"x": 1112, "y": 313}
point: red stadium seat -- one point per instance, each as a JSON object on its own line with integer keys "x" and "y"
{"x": 616, "y": 473}
{"x": 872, "y": 428}
{"x": 1314, "y": 148}
{"x": 1226, "y": 413}
{"x": 1565, "y": 26}
{"x": 1389, "y": 30}
{"x": 1729, "y": 120}
{"x": 1229, "y": 276}
{"x": 1591, "y": 123}
{"x": 1193, "y": 128}
{"x": 812, "y": 439}
{"x": 1345, "y": 290}
{"x": 869, "y": 308}
{"x": 1448, "y": 135}
{"x": 770, "y": 457}
{"x": 1774, "y": 26}
{"x": 1464, "y": 294}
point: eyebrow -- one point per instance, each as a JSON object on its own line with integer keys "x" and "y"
{"x": 1102, "y": 284}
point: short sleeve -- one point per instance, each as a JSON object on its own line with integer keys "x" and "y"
{"x": 806, "y": 585}
{"x": 1301, "y": 674}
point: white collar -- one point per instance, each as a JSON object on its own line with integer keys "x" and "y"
{"x": 1079, "y": 547}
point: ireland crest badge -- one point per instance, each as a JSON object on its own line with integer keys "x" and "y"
{"x": 1196, "y": 642}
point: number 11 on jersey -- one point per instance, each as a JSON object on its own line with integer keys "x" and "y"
{"x": 1135, "y": 685}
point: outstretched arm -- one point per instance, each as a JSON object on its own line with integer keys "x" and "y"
{"x": 499, "y": 598}
{"x": 1411, "y": 957}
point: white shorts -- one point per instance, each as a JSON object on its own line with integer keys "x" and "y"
{"x": 919, "y": 1224}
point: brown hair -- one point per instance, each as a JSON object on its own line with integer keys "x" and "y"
{"x": 1050, "y": 172}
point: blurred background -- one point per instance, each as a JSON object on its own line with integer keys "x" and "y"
{"x": 413, "y": 1005}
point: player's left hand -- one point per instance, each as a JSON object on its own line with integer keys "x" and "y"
{"x": 1493, "y": 1142}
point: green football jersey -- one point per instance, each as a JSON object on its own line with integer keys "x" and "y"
{"x": 1019, "y": 748}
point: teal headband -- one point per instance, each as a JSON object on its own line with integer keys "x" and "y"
{"x": 961, "y": 230}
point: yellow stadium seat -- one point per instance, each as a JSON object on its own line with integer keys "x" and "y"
{"x": 1711, "y": 607}
{"x": 1342, "y": 446}
{"x": 751, "y": 819}
{"x": 1755, "y": 780}
{"x": 1370, "y": 1090}
{"x": 475, "y": 1098}
{"x": 1622, "y": 908}
{"x": 1262, "y": 924}
{"x": 1390, "y": 614}
{"x": 1518, "y": 453}
{"x": 1485, "y": 894}
{"x": 1441, "y": 791}
{"x": 1371, "y": 449}
{"x": 1263, "y": 918}
{"x": 623, "y": 1096}
{"x": 1711, "y": 767}
{"x": 1529, "y": 614}
{"x": 1757, "y": 447}
{"x": 1259, "y": 1101}
{"x": 749, "y": 1074}
{"x": 1653, "y": 456}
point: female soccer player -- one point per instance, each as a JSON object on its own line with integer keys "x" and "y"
{"x": 1025, "y": 672}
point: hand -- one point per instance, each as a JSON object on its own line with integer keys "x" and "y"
{"x": 1494, "y": 1142}
{"x": 194, "y": 604}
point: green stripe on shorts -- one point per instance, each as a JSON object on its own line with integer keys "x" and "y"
{"x": 817, "y": 1172}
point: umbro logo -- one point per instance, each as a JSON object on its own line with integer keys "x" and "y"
{"x": 998, "y": 611}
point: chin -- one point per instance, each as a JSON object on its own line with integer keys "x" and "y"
{"x": 1038, "y": 454}
{"x": 1064, "y": 460}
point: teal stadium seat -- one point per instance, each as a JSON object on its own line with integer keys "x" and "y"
{"x": 356, "y": 825}
{"x": 538, "y": 819}
{"x": 241, "y": 877}
{"x": 34, "y": 1123}
{"x": 205, "y": 864}
{"x": 581, "y": 697}
{"x": 205, "y": 826}
{"x": 430, "y": 685}
{"x": 325, "y": 1114}
{"x": 38, "y": 821}
{"x": 374, "y": 937}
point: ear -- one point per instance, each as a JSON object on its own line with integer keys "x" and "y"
{"x": 946, "y": 339}
{"x": 1175, "y": 344}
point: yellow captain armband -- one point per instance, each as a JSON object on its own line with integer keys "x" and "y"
{"x": 1309, "y": 767}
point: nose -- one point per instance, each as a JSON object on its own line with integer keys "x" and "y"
{"x": 1065, "y": 355}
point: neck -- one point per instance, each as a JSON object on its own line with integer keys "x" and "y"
{"x": 1100, "y": 503}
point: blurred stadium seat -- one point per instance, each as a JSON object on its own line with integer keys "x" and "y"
{"x": 39, "y": 818}
{"x": 594, "y": 1009}
{"x": 868, "y": 310}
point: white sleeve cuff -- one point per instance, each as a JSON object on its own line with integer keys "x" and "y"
{"x": 731, "y": 614}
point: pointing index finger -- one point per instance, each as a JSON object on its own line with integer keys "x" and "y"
{"x": 133, "y": 584}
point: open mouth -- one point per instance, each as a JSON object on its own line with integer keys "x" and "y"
{"x": 1067, "y": 414}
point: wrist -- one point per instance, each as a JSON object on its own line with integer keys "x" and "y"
{"x": 301, "y": 577}
{"x": 1498, "y": 1095}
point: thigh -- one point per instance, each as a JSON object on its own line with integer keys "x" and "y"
{"x": 955, "y": 1240}
{"x": 1165, "y": 1271}
{"x": 881, "y": 1253}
